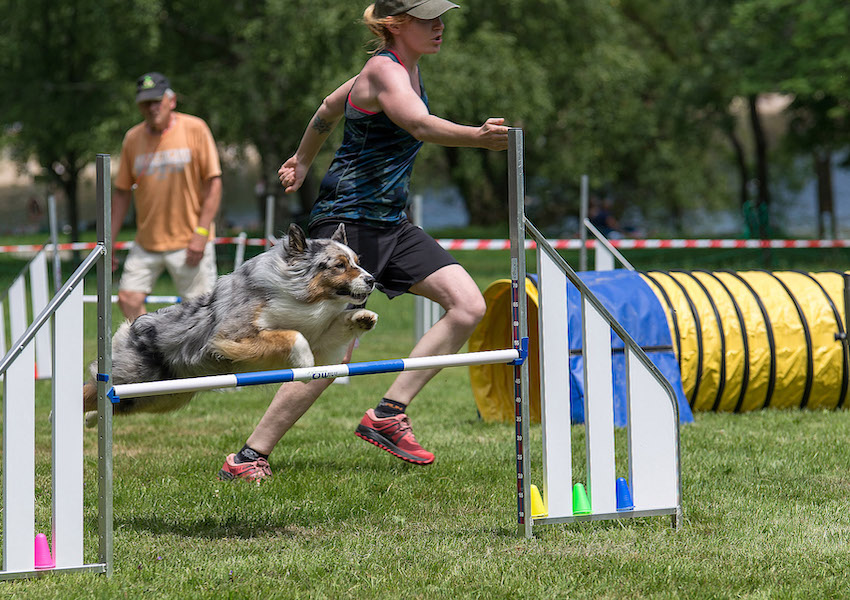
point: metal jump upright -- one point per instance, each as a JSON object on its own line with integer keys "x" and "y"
{"x": 654, "y": 474}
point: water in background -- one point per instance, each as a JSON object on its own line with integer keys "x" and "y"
{"x": 796, "y": 214}
{"x": 443, "y": 208}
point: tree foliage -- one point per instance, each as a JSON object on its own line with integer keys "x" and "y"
{"x": 65, "y": 88}
{"x": 638, "y": 94}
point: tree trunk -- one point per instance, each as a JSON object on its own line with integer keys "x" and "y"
{"x": 762, "y": 182}
{"x": 826, "y": 199}
{"x": 68, "y": 181}
{"x": 743, "y": 170}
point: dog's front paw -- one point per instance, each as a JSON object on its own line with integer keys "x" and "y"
{"x": 301, "y": 355}
{"x": 364, "y": 320}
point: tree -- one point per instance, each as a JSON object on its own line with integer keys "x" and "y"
{"x": 698, "y": 53}
{"x": 808, "y": 60}
{"x": 484, "y": 73}
{"x": 635, "y": 93}
{"x": 64, "y": 83}
{"x": 258, "y": 70}
{"x": 624, "y": 93}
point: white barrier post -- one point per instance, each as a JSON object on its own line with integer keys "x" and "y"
{"x": 240, "y": 250}
{"x": 605, "y": 252}
{"x": 603, "y": 260}
{"x": 555, "y": 388}
{"x": 267, "y": 242}
{"x": 20, "y": 305}
{"x": 19, "y": 447}
{"x": 599, "y": 409}
{"x": 425, "y": 312}
{"x": 2, "y": 329}
{"x": 53, "y": 222}
{"x": 68, "y": 435}
{"x": 39, "y": 294}
{"x": 66, "y": 310}
{"x": 654, "y": 477}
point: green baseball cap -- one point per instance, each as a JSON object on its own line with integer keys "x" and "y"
{"x": 421, "y": 9}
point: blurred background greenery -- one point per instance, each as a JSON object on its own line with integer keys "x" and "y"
{"x": 691, "y": 116}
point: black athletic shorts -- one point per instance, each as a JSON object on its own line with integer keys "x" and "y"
{"x": 397, "y": 257}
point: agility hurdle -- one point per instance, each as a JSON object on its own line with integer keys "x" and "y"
{"x": 653, "y": 421}
{"x": 24, "y": 555}
{"x": 653, "y": 486}
{"x": 20, "y": 303}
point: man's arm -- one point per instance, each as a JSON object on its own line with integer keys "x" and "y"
{"x": 210, "y": 204}
{"x": 121, "y": 200}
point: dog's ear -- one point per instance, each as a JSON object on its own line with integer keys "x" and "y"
{"x": 297, "y": 239}
{"x": 339, "y": 235}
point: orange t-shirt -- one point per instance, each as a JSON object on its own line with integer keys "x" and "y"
{"x": 167, "y": 173}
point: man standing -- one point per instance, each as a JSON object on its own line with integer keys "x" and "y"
{"x": 170, "y": 163}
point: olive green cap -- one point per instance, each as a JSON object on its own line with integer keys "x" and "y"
{"x": 421, "y": 9}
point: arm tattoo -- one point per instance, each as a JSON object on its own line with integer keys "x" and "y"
{"x": 322, "y": 126}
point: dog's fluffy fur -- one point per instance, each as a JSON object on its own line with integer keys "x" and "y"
{"x": 288, "y": 307}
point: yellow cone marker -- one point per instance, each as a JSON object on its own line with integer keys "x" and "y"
{"x": 538, "y": 509}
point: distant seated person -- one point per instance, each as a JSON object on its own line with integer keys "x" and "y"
{"x": 600, "y": 216}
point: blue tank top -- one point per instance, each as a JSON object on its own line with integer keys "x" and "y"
{"x": 369, "y": 178}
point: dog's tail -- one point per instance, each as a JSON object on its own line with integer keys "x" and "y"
{"x": 90, "y": 396}
{"x": 90, "y": 403}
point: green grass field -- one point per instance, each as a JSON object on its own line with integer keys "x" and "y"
{"x": 765, "y": 499}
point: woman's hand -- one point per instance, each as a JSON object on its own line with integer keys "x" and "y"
{"x": 493, "y": 134}
{"x": 292, "y": 174}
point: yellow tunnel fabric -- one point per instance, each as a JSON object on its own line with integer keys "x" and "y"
{"x": 493, "y": 385}
{"x": 744, "y": 340}
{"x": 754, "y": 339}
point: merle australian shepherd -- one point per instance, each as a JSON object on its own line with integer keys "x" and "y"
{"x": 288, "y": 307}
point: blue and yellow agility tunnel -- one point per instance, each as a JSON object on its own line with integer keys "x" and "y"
{"x": 740, "y": 341}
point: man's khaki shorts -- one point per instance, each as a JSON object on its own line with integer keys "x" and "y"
{"x": 143, "y": 268}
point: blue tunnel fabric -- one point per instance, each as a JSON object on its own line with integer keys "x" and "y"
{"x": 633, "y": 303}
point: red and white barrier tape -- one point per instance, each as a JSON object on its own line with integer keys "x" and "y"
{"x": 630, "y": 244}
{"x": 497, "y": 244}
{"x": 117, "y": 245}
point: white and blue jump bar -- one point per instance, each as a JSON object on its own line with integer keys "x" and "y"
{"x": 148, "y": 299}
{"x": 196, "y": 384}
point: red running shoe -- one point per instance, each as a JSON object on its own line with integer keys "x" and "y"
{"x": 394, "y": 435}
{"x": 251, "y": 471}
